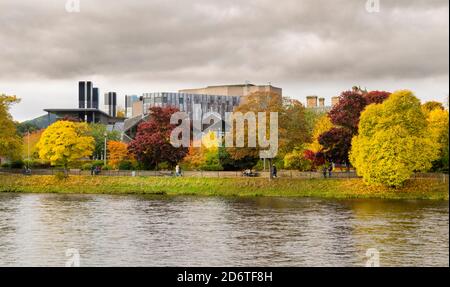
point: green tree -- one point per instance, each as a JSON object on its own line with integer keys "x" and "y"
{"x": 393, "y": 141}
{"x": 97, "y": 131}
{"x": 10, "y": 141}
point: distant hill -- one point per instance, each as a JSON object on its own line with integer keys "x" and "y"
{"x": 41, "y": 122}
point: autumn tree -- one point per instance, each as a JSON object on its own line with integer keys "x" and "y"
{"x": 438, "y": 123}
{"x": 345, "y": 117}
{"x": 29, "y": 146}
{"x": 296, "y": 160}
{"x": 205, "y": 157}
{"x": 432, "y": 105}
{"x": 151, "y": 145}
{"x": 10, "y": 141}
{"x": 393, "y": 141}
{"x": 322, "y": 125}
{"x": 64, "y": 142}
{"x": 293, "y": 126}
{"x": 117, "y": 153}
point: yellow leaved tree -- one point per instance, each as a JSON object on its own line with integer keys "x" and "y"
{"x": 438, "y": 126}
{"x": 64, "y": 142}
{"x": 393, "y": 141}
{"x": 10, "y": 142}
{"x": 322, "y": 125}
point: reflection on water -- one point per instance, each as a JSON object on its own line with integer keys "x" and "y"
{"x": 36, "y": 230}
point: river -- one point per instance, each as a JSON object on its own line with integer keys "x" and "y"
{"x": 131, "y": 230}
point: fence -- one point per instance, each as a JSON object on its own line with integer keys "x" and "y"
{"x": 217, "y": 174}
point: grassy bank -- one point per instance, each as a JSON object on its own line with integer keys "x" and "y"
{"x": 325, "y": 188}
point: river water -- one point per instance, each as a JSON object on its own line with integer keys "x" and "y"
{"x": 113, "y": 230}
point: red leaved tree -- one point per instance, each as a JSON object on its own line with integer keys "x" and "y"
{"x": 151, "y": 145}
{"x": 345, "y": 116}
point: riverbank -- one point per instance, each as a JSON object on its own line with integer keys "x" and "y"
{"x": 324, "y": 188}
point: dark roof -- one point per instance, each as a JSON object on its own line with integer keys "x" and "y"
{"x": 77, "y": 111}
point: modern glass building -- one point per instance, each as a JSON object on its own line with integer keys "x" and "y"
{"x": 129, "y": 101}
{"x": 111, "y": 104}
{"x": 185, "y": 102}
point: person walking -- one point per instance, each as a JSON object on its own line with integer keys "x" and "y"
{"x": 330, "y": 169}
{"x": 177, "y": 170}
{"x": 274, "y": 171}
{"x": 324, "y": 171}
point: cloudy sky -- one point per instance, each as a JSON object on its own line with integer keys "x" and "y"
{"x": 303, "y": 46}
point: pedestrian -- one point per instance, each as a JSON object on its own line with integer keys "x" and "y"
{"x": 274, "y": 171}
{"x": 330, "y": 169}
{"x": 324, "y": 171}
{"x": 92, "y": 169}
{"x": 177, "y": 170}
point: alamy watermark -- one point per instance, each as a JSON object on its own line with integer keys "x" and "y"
{"x": 373, "y": 6}
{"x": 73, "y": 259}
{"x": 73, "y": 6}
{"x": 259, "y": 133}
{"x": 373, "y": 257}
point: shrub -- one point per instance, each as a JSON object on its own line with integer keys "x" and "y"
{"x": 107, "y": 167}
{"x": 86, "y": 166}
{"x": 17, "y": 164}
{"x": 164, "y": 166}
{"x": 126, "y": 165}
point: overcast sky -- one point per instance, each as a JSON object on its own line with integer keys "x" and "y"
{"x": 305, "y": 47}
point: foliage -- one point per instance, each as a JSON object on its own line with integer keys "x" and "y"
{"x": 257, "y": 102}
{"x": 127, "y": 165}
{"x": 430, "y": 106}
{"x": 24, "y": 128}
{"x": 336, "y": 143}
{"x": 322, "y": 125}
{"x": 393, "y": 141}
{"x": 10, "y": 141}
{"x": 207, "y": 156}
{"x": 376, "y": 97}
{"x": 296, "y": 160}
{"x": 120, "y": 112}
{"x": 439, "y": 133}
{"x": 98, "y": 131}
{"x": 347, "y": 111}
{"x": 317, "y": 159}
{"x": 118, "y": 152}
{"x": 345, "y": 115}
{"x": 65, "y": 141}
{"x": 230, "y": 164}
{"x": 151, "y": 145}
{"x": 31, "y": 139}
{"x": 294, "y": 127}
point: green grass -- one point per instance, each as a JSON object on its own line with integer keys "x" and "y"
{"x": 324, "y": 188}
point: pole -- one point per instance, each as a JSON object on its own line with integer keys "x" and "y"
{"x": 104, "y": 156}
{"x": 28, "y": 152}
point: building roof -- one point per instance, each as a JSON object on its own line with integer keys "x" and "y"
{"x": 77, "y": 111}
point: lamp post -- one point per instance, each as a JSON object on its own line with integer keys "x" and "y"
{"x": 28, "y": 150}
{"x": 104, "y": 155}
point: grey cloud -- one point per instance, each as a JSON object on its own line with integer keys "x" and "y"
{"x": 224, "y": 40}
